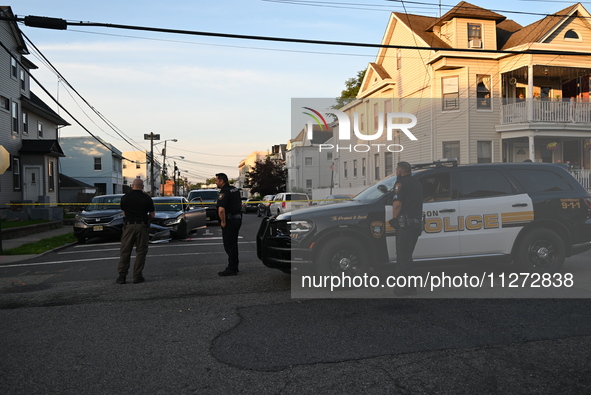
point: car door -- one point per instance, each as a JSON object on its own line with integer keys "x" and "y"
{"x": 440, "y": 238}
{"x": 194, "y": 214}
{"x": 492, "y": 211}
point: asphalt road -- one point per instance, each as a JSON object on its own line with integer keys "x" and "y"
{"x": 67, "y": 328}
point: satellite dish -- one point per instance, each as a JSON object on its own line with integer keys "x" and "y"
{"x": 513, "y": 81}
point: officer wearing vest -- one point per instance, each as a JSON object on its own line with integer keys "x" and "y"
{"x": 407, "y": 212}
{"x": 229, "y": 206}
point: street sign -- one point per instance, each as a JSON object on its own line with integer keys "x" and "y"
{"x": 151, "y": 136}
{"x": 4, "y": 159}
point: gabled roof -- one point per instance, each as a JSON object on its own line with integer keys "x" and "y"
{"x": 467, "y": 10}
{"x": 37, "y": 105}
{"x": 69, "y": 182}
{"x": 47, "y": 147}
{"x": 420, "y": 26}
{"x": 534, "y": 32}
{"x": 7, "y": 12}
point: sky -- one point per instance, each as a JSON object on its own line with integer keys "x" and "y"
{"x": 221, "y": 98}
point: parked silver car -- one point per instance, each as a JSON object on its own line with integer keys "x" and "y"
{"x": 178, "y": 215}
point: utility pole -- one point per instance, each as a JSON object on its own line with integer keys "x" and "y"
{"x": 151, "y": 137}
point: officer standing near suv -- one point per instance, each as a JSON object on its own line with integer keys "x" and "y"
{"x": 138, "y": 209}
{"x": 229, "y": 206}
{"x": 407, "y": 212}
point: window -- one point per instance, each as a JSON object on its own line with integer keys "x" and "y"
{"x": 125, "y": 165}
{"x": 571, "y": 35}
{"x": 484, "y": 183}
{"x": 354, "y": 167}
{"x": 308, "y": 161}
{"x": 14, "y": 117}
{"x": 124, "y": 180}
{"x": 308, "y": 184}
{"x": 363, "y": 165}
{"x": 98, "y": 164}
{"x": 39, "y": 129}
{"x": 484, "y": 151}
{"x": 483, "y": 86}
{"x": 437, "y": 187}
{"x": 329, "y": 156}
{"x": 377, "y": 166}
{"x": 16, "y": 173}
{"x": 13, "y": 68}
{"x": 362, "y": 127}
{"x": 474, "y": 35}
{"x": 23, "y": 83}
{"x": 375, "y": 116}
{"x": 451, "y": 149}
{"x": 541, "y": 181}
{"x": 388, "y": 169}
{"x": 25, "y": 123}
{"x": 50, "y": 177}
{"x": 4, "y": 103}
{"x": 345, "y": 169}
{"x": 138, "y": 165}
{"x": 450, "y": 93}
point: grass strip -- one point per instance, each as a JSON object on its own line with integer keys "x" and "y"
{"x": 42, "y": 245}
{"x": 17, "y": 224}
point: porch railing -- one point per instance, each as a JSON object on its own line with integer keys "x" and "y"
{"x": 584, "y": 177}
{"x": 547, "y": 111}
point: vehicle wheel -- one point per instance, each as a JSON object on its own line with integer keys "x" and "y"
{"x": 342, "y": 256}
{"x": 81, "y": 239}
{"x": 181, "y": 231}
{"x": 258, "y": 212}
{"x": 278, "y": 211}
{"x": 541, "y": 250}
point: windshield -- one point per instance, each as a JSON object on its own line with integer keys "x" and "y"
{"x": 205, "y": 195}
{"x": 167, "y": 205}
{"x": 104, "y": 203}
{"x": 376, "y": 191}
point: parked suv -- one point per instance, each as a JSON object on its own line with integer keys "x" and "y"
{"x": 263, "y": 208}
{"x": 288, "y": 201}
{"x": 533, "y": 214}
{"x": 205, "y": 198}
{"x": 101, "y": 218}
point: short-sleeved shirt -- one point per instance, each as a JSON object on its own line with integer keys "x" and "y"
{"x": 409, "y": 192}
{"x": 137, "y": 205}
{"x": 229, "y": 199}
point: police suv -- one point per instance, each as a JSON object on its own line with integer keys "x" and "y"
{"x": 533, "y": 214}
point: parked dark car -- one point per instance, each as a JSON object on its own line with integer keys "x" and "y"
{"x": 250, "y": 206}
{"x": 103, "y": 217}
{"x": 208, "y": 199}
{"x": 178, "y": 215}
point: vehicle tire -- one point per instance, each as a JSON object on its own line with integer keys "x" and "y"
{"x": 258, "y": 212}
{"x": 278, "y": 211}
{"x": 182, "y": 231}
{"x": 342, "y": 255}
{"x": 81, "y": 239}
{"x": 540, "y": 250}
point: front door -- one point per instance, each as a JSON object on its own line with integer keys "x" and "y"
{"x": 32, "y": 183}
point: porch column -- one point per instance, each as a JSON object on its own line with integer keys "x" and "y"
{"x": 530, "y": 92}
{"x": 532, "y": 148}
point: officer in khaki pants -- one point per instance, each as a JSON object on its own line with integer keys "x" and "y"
{"x": 138, "y": 209}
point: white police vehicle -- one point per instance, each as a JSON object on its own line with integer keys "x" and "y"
{"x": 533, "y": 214}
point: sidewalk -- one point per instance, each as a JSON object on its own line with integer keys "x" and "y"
{"x": 19, "y": 241}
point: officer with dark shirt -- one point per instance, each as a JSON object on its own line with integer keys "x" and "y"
{"x": 138, "y": 209}
{"x": 407, "y": 212}
{"x": 229, "y": 207}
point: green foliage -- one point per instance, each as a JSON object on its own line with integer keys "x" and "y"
{"x": 268, "y": 177}
{"x": 18, "y": 223}
{"x": 352, "y": 86}
{"x": 42, "y": 245}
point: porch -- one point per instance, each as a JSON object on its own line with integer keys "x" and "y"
{"x": 574, "y": 110}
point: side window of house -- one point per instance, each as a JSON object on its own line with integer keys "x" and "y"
{"x": 474, "y": 35}
{"x": 437, "y": 187}
{"x": 98, "y": 164}
{"x": 541, "y": 181}
{"x": 483, "y": 92}
{"x": 484, "y": 183}
{"x": 450, "y": 93}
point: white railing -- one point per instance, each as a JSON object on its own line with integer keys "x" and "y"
{"x": 583, "y": 176}
{"x": 547, "y": 111}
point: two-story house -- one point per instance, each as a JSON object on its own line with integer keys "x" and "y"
{"x": 476, "y": 92}
{"x": 28, "y": 126}
{"x": 94, "y": 162}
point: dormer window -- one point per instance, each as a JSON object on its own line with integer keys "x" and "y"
{"x": 474, "y": 35}
{"x": 571, "y": 35}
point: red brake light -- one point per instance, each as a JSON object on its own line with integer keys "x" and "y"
{"x": 283, "y": 204}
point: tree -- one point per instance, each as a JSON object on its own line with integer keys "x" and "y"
{"x": 268, "y": 177}
{"x": 350, "y": 92}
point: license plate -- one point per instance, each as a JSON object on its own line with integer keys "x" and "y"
{"x": 97, "y": 228}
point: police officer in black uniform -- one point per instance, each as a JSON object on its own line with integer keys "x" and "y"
{"x": 229, "y": 207}
{"x": 407, "y": 212}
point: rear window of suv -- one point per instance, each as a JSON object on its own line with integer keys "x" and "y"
{"x": 295, "y": 196}
{"x": 541, "y": 180}
{"x": 205, "y": 195}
